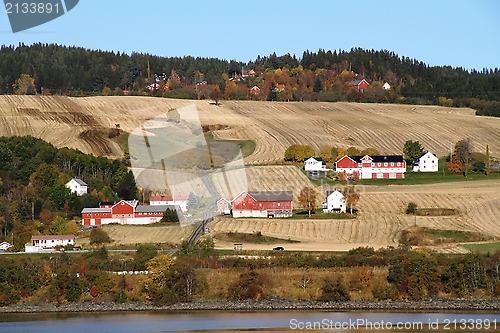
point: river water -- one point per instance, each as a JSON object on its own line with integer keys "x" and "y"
{"x": 225, "y": 321}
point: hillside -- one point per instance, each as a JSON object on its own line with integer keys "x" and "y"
{"x": 381, "y": 218}
{"x": 83, "y": 123}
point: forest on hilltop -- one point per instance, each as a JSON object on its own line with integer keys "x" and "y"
{"x": 316, "y": 76}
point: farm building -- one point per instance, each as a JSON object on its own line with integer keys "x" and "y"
{"x": 49, "y": 242}
{"x": 263, "y": 204}
{"x": 224, "y": 206}
{"x": 77, "y": 186}
{"x": 255, "y": 90}
{"x": 335, "y": 202}
{"x": 126, "y": 212}
{"x": 4, "y": 246}
{"x": 359, "y": 84}
{"x": 428, "y": 162}
{"x": 178, "y": 200}
{"x": 389, "y": 166}
{"x": 314, "y": 164}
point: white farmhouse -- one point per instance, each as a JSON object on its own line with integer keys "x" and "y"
{"x": 49, "y": 242}
{"x": 335, "y": 202}
{"x": 314, "y": 164}
{"x": 178, "y": 200}
{"x": 386, "y": 86}
{"x": 77, "y": 186}
{"x": 426, "y": 163}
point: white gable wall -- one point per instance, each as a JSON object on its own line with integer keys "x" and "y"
{"x": 311, "y": 164}
{"x": 427, "y": 163}
{"x": 76, "y": 188}
{"x": 336, "y": 201}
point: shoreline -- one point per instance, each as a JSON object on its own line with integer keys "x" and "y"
{"x": 428, "y": 305}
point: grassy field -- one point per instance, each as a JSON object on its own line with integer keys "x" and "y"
{"x": 483, "y": 248}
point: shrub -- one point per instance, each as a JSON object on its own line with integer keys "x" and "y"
{"x": 334, "y": 290}
{"x": 248, "y": 286}
{"x": 74, "y": 289}
{"x": 411, "y": 208}
{"x": 99, "y": 236}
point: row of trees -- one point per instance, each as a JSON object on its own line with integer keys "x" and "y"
{"x": 322, "y": 75}
{"x": 465, "y": 159}
{"x": 404, "y": 274}
{"x": 329, "y": 154}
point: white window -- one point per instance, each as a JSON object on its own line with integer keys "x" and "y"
{"x": 385, "y": 164}
{"x": 392, "y": 163}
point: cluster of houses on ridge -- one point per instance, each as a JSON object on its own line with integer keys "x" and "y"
{"x": 373, "y": 167}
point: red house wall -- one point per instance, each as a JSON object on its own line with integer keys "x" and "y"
{"x": 346, "y": 162}
{"x": 249, "y": 203}
{"x": 122, "y": 209}
{"x": 363, "y": 85}
{"x": 243, "y": 203}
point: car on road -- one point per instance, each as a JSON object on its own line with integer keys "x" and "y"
{"x": 279, "y": 248}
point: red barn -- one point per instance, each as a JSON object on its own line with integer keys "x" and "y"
{"x": 125, "y": 212}
{"x": 263, "y": 204}
{"x": 359, "y": 84}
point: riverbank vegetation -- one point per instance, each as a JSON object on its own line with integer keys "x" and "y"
{"x": 201, "y": 273}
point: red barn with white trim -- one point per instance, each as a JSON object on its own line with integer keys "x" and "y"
{"x": 125, "y": 212}
{"x": 373, "y": 167}
{"x": 263, "y": 204}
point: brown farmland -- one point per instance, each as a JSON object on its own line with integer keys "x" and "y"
{"x": 381, "y": 217}
{"x": 82, "y": 123}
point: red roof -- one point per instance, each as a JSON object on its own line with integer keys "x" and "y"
{"x": 168, "y": 198}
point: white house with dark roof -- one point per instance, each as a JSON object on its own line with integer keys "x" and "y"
{"x": 77, "y": 186}
{"x": 314, "y": 164}
{"x": 428, "y": 162}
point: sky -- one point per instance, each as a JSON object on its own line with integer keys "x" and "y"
{"x": 439, "y": 32}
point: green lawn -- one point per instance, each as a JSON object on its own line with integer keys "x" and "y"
{"x": 482, "y": 248}
{"x": 318, "y": 214}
